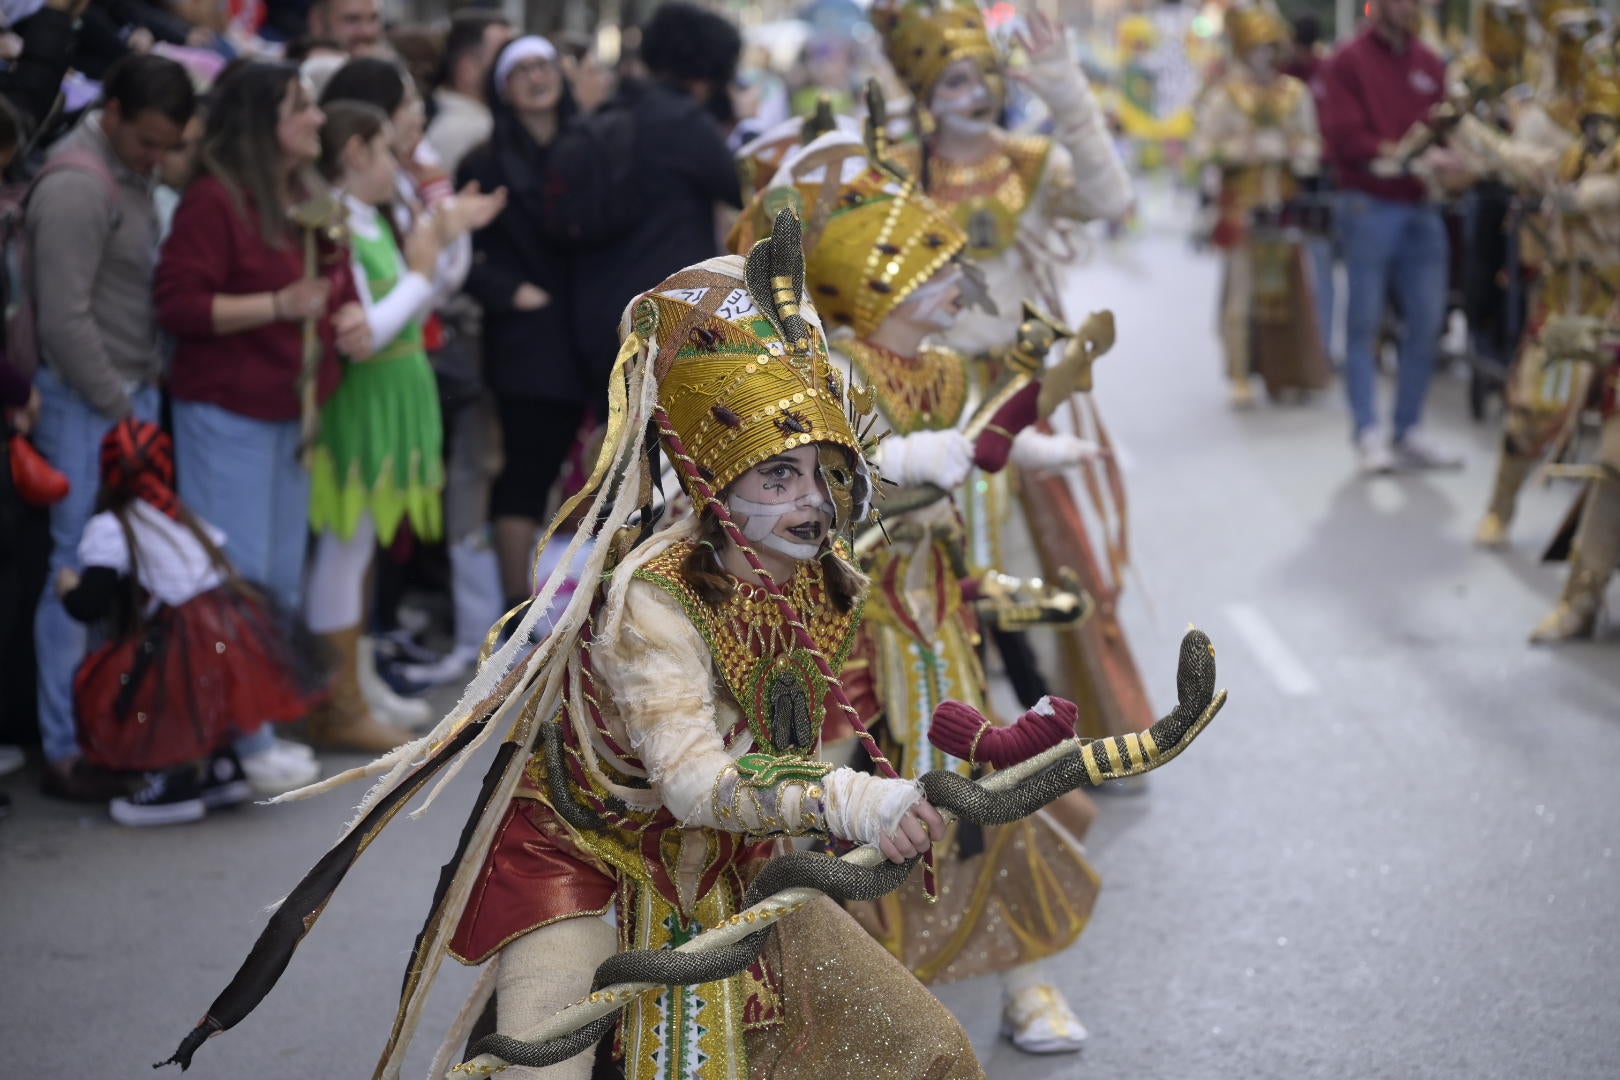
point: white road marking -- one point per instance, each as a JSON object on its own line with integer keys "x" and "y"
{"x": 1287, "y": 671}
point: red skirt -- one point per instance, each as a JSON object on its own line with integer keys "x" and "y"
{"x": 196, "y": 677}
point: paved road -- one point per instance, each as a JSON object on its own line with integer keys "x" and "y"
{"x": 1394, "y": 857}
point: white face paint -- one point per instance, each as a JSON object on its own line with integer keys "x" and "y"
{"x": 781, "y": 504}
{"x": 936, "y": 302}
{"x": 963, "y": 101}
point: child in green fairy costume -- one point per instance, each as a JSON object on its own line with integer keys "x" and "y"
{"x": 378, "y": 460}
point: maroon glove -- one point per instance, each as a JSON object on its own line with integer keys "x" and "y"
{"x": 993, "y": 448}
{"x": 964, "y": 732}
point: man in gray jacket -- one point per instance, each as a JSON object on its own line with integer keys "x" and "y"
{"x": 93, "y": 244}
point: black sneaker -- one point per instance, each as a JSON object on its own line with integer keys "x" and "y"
{"x": 172, "y": 797}
{"x": 225, "y": 783}
{"x": 185, "y": 793}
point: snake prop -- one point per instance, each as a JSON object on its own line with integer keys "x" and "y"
{"x": 792, "y": 880}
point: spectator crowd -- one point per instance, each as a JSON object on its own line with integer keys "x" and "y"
{"x": 307, "y": 312}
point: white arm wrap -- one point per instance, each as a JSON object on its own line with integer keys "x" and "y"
{"x": 862, "y": 807}
{"x": 1038, "y": 451}
{"x": 927, "y": 457}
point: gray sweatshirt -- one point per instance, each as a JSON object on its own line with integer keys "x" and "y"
{"x": 92, "y": 276}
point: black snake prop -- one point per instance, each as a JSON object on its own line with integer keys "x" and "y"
{"x": 790, "y": 880}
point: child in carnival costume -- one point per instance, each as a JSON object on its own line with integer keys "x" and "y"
{"x": 1567, "y": 362}
{"x": 666, "y": 734}
{"x": 1257, "y": 126}
{"x": 378, "y": 459}
{"x": 1019, "y": 199}
{"x": 882, "y": 261}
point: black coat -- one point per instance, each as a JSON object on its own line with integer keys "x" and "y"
{"x": 683, "y": 170}
{"x": 527, "y": 354}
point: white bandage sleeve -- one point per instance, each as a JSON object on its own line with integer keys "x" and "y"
{"x": 942, "y": 458}
{"x": 862, "y": 807}
{"x": 1040, "y": 451}
{"x": 661, "y": 676}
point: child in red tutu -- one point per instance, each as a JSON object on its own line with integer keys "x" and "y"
{"x": 197, "y": 658}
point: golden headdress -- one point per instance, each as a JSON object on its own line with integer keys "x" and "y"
{"x": 1254, "y": 25}
{"x": 740, "y": 360}
{"x": 1600, "y": 95}
{"x": 924, "y": 37}
{"x": 1547, "y": 11}
{"x": 1503, "y": 29}
{"x": 1574, "y": 29}
{"x": 872, "y": 237}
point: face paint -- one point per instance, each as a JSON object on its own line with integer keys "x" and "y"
{"x": 966, "y": 100}
{"x": 935, "y": 302}
{"x": 782, "y": 504}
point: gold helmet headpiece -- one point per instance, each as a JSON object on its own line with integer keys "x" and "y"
{"x": 741, "y": 365}
{"x": 1255, "y": 25}
{"x": 1547, "y": 12}
{"x": 1574, "y": 30}
{"x": 1600, "y": 95}
{"x": 872, "y": 237}
{"x": 1503, "y": 29}
{"x": 924, "y": 37}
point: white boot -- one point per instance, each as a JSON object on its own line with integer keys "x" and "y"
{"x": 1039, "y": 1021}
{"x": 388, "y": 706}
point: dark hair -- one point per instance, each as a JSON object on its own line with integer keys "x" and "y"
{"x": 575, "y": 45}
{"x": 466, "y": 35}
{"x": 239, "y": 144}
{"x": 346, "y": 120}
{"x": 1307, "y": 31}
{"x": 505, "y": 124}
{"x": 703, "y": 571}
{"x": 369, "y": 79}
{"x": 150, "y": 84}
{"x": 683, "y": 42}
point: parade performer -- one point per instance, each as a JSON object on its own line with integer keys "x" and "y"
{"x": 1567, "y": 360}
{"x": 1257, "y": 126}
{"x": 378, "y": 459}
{"x": 671, "y": 723}
{"x": 881, "y": 261}
{"x": 1020, "y": 199}
{"x": 1572, "y": 241}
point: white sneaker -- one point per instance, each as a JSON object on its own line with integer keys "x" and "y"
{"x": 1373, "y": 452}
{"x": 1039, "y": 1021}
{"x": 453, "y": 666}
{"x": 1415, "y": 452}
{"x": 294, "y": 749}
{"x": 281, "y": 768}
{"x": 381, "y": 697}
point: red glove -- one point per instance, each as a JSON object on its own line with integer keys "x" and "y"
{"x": 964, "y": 732}
{"x": 993, "y": 447}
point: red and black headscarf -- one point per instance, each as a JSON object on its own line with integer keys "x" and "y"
{"x": 137, "y": 460}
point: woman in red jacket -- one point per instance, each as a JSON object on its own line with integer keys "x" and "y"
{"x": 232, "y": 288}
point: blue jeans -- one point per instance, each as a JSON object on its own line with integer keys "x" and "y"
{"x": 1400, "y": 248}
{"x": 243, "y": 475}
{"x": 69, "y": 434}
{"x": 1320, "y": 251}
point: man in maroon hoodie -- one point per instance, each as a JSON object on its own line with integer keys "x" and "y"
{"x": 1376, "y": 88}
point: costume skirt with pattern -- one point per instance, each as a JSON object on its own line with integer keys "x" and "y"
{"x": 381, "y": 449}
{"x": 195, "y": 677}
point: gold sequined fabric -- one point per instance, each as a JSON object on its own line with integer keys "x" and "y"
{"x": 925, "y": 392}
{"x": 1026, "y": 896}
{"x": 988, "y": 197}
{"x": 751, "y": 642}
{"x": 849, "y": 1009}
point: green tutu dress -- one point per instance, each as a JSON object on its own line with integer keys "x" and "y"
{"x": 380, "y": 447}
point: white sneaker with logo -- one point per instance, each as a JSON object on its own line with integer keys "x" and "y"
{"x": 1039, "y": 1021}
{"x": 280, "y": 768}
{"x": 1372, "y": 452}
{"x": 1414, "y": 452}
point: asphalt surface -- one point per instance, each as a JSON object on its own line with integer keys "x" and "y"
{"x": 1392, "y": 856}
